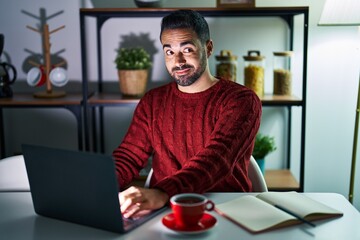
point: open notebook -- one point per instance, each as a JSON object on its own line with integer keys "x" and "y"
{"x": 259, "y": 213}
{"x": 78, "y": 187}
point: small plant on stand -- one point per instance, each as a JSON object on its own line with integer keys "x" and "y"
{"x": 264, "y": 145}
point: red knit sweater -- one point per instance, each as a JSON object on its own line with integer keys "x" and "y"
{"x": 200, "y": 142}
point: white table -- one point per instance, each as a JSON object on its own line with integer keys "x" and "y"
{"x": 13, "y": 175}
{"x": 19, "y": 221}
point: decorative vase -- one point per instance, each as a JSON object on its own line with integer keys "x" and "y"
{"x": 133, "y": 83}
{"x": 261, "y": 163}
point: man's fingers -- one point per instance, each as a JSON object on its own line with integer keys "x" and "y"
{"x": 130, "y": 198}
{"x": 132, "y": 210}
{"x": 135, "y": 199}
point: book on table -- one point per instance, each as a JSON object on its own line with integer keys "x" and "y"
{"x": 262, "y": 212}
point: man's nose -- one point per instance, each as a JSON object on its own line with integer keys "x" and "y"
{"x": 179, "y": 59}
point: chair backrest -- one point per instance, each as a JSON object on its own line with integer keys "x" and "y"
{"x": 13, "y": 175}
{"x": 148, "y": 178}
{"x": 255, "y": 175}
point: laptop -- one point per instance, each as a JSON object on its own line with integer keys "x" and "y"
{"x": 78, "y": 187}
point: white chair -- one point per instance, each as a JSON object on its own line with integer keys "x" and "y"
{"x": 255, "y": 175}
{"x": 148, "y": 178}
{"x": 13, "y": 175}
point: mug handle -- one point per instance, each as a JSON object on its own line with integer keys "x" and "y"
{"x": 209, "y": 205}
{"x": 13, "y": 69}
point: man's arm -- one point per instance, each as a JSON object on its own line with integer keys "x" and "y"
{"x": 133, "y": 153}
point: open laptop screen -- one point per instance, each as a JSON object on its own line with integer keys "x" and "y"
{"x": 76, "y": 186}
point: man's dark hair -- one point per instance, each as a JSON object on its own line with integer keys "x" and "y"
{"x": 187, "y": 19}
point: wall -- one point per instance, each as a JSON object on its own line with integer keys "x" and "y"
{"x": 333, "y": 73}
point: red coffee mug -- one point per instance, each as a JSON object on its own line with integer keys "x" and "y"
{"x": 189, "y": 208}
{"x": 36, "y": 76}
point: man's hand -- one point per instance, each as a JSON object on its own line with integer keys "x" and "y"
{"x": 135, "y": 199}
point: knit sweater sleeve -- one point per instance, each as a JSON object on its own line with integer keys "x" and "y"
{"x": 230, "y": 145}
{"x": 133, "y": 152}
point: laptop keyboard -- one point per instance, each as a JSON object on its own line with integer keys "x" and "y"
{"x": 130, "y": 222}
{"x": 130, "y": 219}
{"x": 136, "y": 217}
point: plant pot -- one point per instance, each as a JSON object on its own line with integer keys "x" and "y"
{"x": 261, "y": 163}
{"x": 133, "y": 83}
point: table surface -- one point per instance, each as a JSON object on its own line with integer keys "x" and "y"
{"x": 19, "y": 221}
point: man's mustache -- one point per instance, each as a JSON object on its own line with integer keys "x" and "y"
{"x": 185, "y": 66}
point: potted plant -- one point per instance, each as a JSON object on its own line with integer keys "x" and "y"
{"x": 264, "y": 145}
{"x": 133, "y": 68}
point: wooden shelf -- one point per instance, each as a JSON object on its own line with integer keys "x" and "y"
{"x": 279, "y": 100}
{"x": 71, "y": 102}
{"x": 276, "y": 180}
{"x": 281, "y": 180}
{"x": 207, "y": 12}
{"x": 111, "y": 99}
{"x": 118, "y": 99}
{"x": 28, "y": 99}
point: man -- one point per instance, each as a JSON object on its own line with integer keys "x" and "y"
{"x": 199, "y": 129}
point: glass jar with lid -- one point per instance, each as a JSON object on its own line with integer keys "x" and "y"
{"x": 254, "y": 72}
{"x": 282, "y": 73}
{"x": 226, "y": 68}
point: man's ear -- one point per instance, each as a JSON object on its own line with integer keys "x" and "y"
{"x": 209, "y": 48}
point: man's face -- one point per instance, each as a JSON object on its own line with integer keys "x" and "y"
{"x": 185, "y": 57}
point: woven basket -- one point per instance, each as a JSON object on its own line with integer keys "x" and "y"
{"x": 133, "y": 82}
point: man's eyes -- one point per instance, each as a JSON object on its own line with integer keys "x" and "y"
{"x": 188, "y": 50}
{"x": 169, "y": 52}
{"x": 185, "y": 50}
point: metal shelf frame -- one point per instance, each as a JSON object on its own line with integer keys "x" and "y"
{"x": 103, "y": 14}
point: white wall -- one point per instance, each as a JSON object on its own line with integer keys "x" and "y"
{"x": 333, "y": 77}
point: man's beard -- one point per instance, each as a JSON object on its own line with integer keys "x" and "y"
{"x": 187, "y": 80}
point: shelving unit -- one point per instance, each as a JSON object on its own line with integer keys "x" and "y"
{"x": 71, "y": 102}
{"x": 276, "y": 179}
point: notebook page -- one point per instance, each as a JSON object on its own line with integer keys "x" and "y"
{"x": 254, "y": 214}
{"x": 299, "y": 204}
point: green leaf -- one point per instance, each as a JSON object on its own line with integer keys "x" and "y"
{"x": 263, "y": 146}
{"x": 132, "y": 59}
